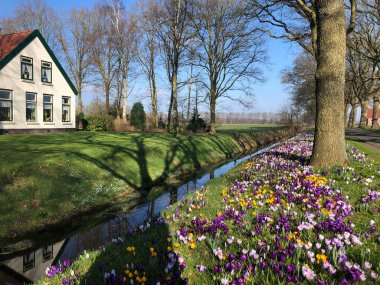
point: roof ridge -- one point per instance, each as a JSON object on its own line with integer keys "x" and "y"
{"x": 19, "y": 32}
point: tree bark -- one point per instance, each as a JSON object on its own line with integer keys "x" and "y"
{"x": 154, "y": 100}
{"x": 329, "y": 141}
{"x": 346, "y": 122}
{"x": 125, "y": 90}
{"x": 107, "y": 91}
{"x": 354, "y": 116}
{"x": 375, "y": 120}
{"x": 363, "y": 113}
{"x": 350, "y": 118}
{"x": 189, "y": 93}
{"x": 212, "y": 110}
{"x": 175, "y": 103}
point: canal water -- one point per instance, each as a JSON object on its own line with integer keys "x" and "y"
{"x": 29, "y": 264}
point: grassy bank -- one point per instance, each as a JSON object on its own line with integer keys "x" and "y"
{"x": 49, "y": 178}
{"x": 268, "y": 221}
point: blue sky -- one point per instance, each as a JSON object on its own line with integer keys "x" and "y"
{"x": 269, "y": 96}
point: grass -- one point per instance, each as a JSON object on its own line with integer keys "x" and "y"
{"x": 205, "y": 204}
{"x": 48, "y": 179}
{"x": 246, "y": 128}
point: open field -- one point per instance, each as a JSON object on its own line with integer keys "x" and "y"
{"x": 47, "y": 178}
{"x": 269, "y": 221}
{"x": 246, "y": 128}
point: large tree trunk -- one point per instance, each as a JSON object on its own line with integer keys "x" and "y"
{"x": 175, "y": 103}
{"x": 168, "y": 127}
{"x": 375, "y": 121}
{"x": 80, "y": 104}
{"x": 354, "y": 116}
{"x": 351, "y": 116}
{"x": 363, "y": 113}
{"x": 79, "y": 109}
{"x": 329, "y": 141}
{"x": 154, "y": 100}
{"x": 125, "y": 90}
{"x": 107, "y": 91}
{"x": 346, "y": 106}
{"x": 212, "y": 110}
{"x": 189, "y": 93}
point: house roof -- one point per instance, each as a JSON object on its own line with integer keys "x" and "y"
{"x": 370, "y": 113}
{"x": 12, "y": 44}
{"x": 9, "y": 42}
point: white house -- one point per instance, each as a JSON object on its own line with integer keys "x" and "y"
{"x": 36, "y": 95}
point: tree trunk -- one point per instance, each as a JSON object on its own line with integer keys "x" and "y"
{"x": 189, "y": 93}
{"x": 351, "y": 116}
{"x": 125, "y": 90}
{"x": 346, "y": 106}
{"x": 329, "y": 141}
{"x": 363, "y": 113}
{"x": 80, "y": 104}
{"x": 168, "y": 127}
{"x": 154, "y": 100}
{"x": 175, "y": 103}
{"x": 212, "y": 110}
{"x": 354, "y": 115}
{"x": 79, "y": 110}
{"x": 375, "y": 120}
{"x": 107, "y": 91}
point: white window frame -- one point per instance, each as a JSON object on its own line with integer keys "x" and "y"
{"x": 8, "y": 100}
{"x": 31, "y": 102}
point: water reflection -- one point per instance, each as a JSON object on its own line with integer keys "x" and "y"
{"x": 30, "y": 266}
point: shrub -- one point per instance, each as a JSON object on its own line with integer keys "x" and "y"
{"x": 161, "y": 124}
{"x": 99, "y": 123}
{"x": 138, "y": 116}
{"x": 196, "y": 123}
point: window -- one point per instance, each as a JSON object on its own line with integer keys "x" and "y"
{"x": 46, "y": 71}
{"x": 28, "y": 261}
{"x": 26, "y": 68}
{"x": 65, "y": 109}
{"x": 47, "y": 253}
{"x": 31, "y": 102}
{"x": 48, "y": 108}
{"x": 5, "y": 105}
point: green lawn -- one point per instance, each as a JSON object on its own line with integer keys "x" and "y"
{"x": 246, "y": 128}
{"x": 47, "y": 178}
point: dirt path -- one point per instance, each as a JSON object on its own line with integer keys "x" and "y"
{"x": 370, "y": 138}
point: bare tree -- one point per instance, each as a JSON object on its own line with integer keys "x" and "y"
{"x": 229, "y": 49}
{"x": 147, "y": 52}
{"x": 124, "y": 41}
{"x": 174, "y": 33}
{"x": 301, "y": 80}
{"x": 73, "y": 35}
{"x": 368, "y": 45}
{"x": 104, "y": 56}
{"x": 361, "y": 78}
{"x": 318, "y": 26}
{"x": 34, "y": 14}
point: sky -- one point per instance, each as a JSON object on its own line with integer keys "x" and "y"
{"x": 270, "y": 96}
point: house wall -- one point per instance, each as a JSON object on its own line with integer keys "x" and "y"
{"x": 10, "y": 78}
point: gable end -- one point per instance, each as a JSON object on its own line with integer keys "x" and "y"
{"x": 28, "y": 40}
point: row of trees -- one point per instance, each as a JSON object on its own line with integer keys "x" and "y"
{"x": 221, "y": 44}
{"x": 212, "y": 44}
{"x": 362, "y": 73}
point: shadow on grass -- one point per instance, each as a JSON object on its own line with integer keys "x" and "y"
{"x": 145, "y": 256}
{"x": 301, "y": 159}
{"x": 142, "y": 256}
